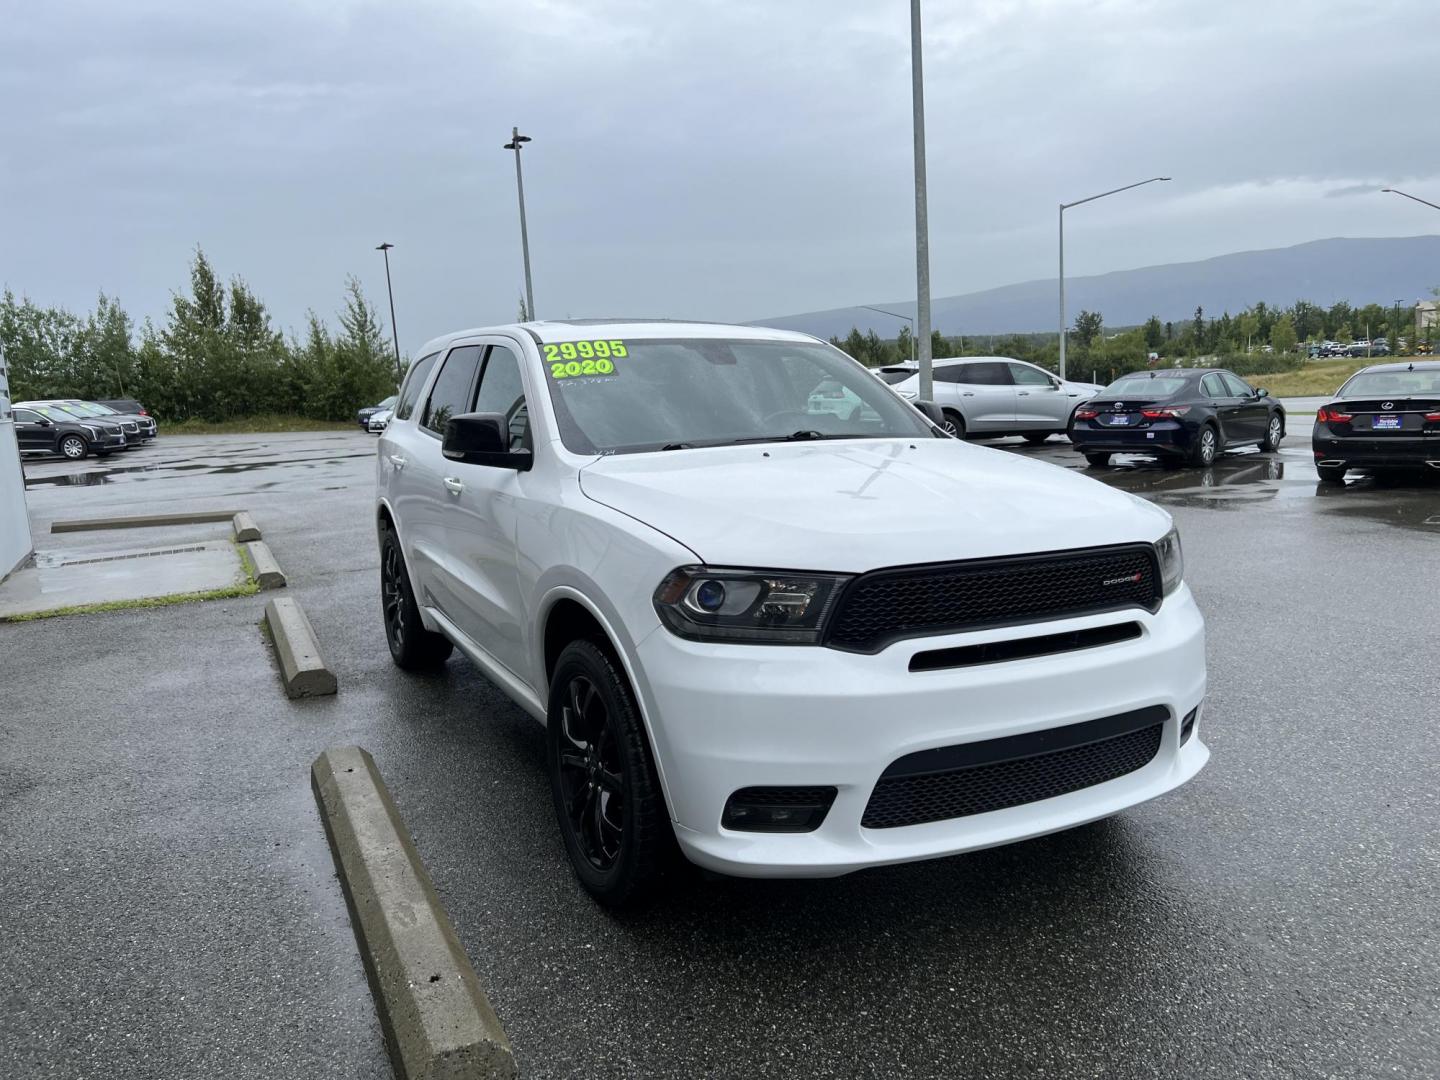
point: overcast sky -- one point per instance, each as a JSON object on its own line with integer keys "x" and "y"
{"x": 726, "y": 159}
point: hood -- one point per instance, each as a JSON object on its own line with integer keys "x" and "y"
{"x": 858, "y": 505}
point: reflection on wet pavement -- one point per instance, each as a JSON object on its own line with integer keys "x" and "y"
{"x": 160, "y": 469}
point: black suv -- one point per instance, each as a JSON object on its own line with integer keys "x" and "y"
{"x": 48, "y": 430}
{"x": 1178, "y": 415}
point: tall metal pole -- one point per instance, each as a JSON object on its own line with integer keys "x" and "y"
{"x": 922, "y": 220}
{"x": 1412, "y": 198}
{"x": 897, "y": 315}
{"x": 1066, "y": 206}
{"x": 384, "y": 249}
{"x": 516, "y": 141}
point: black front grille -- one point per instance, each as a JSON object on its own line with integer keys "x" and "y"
{"x": 976, "y": 778}
{"x": 884, "y": 606}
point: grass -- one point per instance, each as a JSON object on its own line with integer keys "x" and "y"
{"x": 1318, "y": 377}
{"x": 229, "y": 592}
{"x": 255, "y": 425}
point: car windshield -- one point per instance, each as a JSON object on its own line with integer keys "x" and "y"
{"x": 1144, "y": 386}
{"x": 80, "y": 408}
{"x": 892, "y": 376}
{"x": 1393, "y": 383}
{"x": 622, "y": 396}
{"x": 53, "y": 412}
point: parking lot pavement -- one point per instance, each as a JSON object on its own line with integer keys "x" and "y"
{"x": 1274, "y": 918}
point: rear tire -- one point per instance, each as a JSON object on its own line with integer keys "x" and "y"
{"x": 1206, "y": 447}
{"x": 954, "y": 424}
{"x": 1037, "y": 438}
{"x": 1098, "y": 461}
{"x": 74, "y": 448}
{"x": 412, "y": 647}
{"x": 1331, "y": 474}
{"x": 608, "y": 802}
{"x": 1274, "y": 434}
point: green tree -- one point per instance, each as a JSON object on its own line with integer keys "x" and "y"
{"x": 1088, "y": 325}
{"x": 1282, "y": 335}
{"x": 1155, "y": 334}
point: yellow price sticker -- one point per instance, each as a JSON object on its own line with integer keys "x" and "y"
{"x": 576, "y": 359}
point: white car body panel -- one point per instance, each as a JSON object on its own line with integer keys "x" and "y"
{"x": 490, "y": 561}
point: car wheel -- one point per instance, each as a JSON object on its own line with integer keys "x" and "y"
{"x": 608, "y": 801}
{"x": 74, "y": 447}
{"x": 1331, "y": 474}
{"x": 412, "y": 647}
{"x": 1037, "y": 438}
{"x": 1098, "y": 461}
{"x": 954, "y": 424}
{"x": 1274, "y": 434}
{"x": 1207, "y": 445}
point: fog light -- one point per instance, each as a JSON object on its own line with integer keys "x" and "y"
{"x": 777, "y": 809}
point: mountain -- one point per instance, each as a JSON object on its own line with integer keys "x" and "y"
{"x": 1321, "y": 271}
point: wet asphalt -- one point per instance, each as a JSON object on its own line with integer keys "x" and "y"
{"x": 169, "y": 906}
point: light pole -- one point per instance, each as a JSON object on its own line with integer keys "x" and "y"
{"x": 897, "y": 315}
{"x": 384, "y": 250}
{"x": 922, "y": 220}
{"x": 1066, "y": 206}
{"x": 516, "y": 142}
{"x": 1413, "y": 198}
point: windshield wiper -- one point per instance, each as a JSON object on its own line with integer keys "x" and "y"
{"x": 678, "y": 446}
{"x": 795, "y": 436}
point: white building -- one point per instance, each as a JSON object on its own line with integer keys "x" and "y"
{"x": 14, "y": 520}
{"x": 1427, "y": 313}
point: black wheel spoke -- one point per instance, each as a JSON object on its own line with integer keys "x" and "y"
{"x": 590, "y": 773}
{"x": 610, "y": 781}
{"x": 573, "y": 759}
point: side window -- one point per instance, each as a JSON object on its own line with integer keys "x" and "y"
{"x": 502, "y": 391}
{"x": 453, "y": 387}
{"x": 25, "y": 416}
{"x": 1238, "y": 386}
{"x": 991, "y": 373}
{"x": 1025, "y": 375}
{"x": 1214, "y": 386}
{"x": 414, "y": 382}
{"x": 949, "y": 373}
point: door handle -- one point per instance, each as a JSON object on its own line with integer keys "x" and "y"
{"x": 1022, "y": 393}
{"x": 967, "y": 393}
{"x": 454, "y": 486}
{"x": 397, "y": 460}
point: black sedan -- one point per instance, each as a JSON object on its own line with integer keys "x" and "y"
{"x": 363, "y": 416}
{"x": 1178, "y": 415}
{"x": 1386, "y": 416}
{"x": 48, "y": 430}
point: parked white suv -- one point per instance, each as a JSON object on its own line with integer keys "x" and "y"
{"x": 995, "y": 395}
{"x": 792, "y": 639}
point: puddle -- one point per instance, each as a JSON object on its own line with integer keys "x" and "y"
{"x": 96, "y": 477}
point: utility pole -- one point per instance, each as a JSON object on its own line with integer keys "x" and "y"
{"x": 922, "y": 219}
{"x": 516, "y": 142}
{"x": 384, "y": 249}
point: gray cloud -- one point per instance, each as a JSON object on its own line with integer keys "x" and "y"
{"x": 718, "y": 159}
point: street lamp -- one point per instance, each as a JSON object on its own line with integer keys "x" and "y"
{"x": 897, "y": 315}
{"x": 922, "y": 221}
{"x": 1066, "y": 206}
{"x": 384, "y": 249}
{"x": 1413, "y": 198}
{"x": 516, "y": 142}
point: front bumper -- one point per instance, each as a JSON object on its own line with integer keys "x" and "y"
{"x": 1360, "y": 452}
{"x": 1161, "y": 437}
{"x": 725, "y": 717}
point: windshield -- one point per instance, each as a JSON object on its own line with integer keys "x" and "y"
{"x": 891, "y": 376}
{"x": 633, "y": 396}
{"x": 1143, "y": 386}
{"x": 82, "y": 409}
{"x": 1393, "y": 383}
{"x": 53, "y": 412}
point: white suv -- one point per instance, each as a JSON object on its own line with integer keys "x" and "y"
{"x": 790, "y": 639}
{"x": 995, "y": 395}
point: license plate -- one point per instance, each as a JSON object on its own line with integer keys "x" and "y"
{"x": 1385, "y": 423}
{"x": 1119, "y": 421}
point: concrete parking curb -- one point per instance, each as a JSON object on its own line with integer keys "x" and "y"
{"x": 245, "y": 527}
{"x": 268, "y": 574}
{"x": 141, "y": 521}
{"x": 437, "y": 1020}
{"x": 302, "y": 668}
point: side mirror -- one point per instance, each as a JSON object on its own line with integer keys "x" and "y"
{"x": 483, "y": 439}
{"x": 932, "y": 412}
{"x": 1262, "y": 392}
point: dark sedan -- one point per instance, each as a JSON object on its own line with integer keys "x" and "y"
{"x": 363, "y": 416}
{"x": 1386, "y": 416}
{"x": 1178, "y": 415}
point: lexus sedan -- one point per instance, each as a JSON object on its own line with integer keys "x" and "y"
{"x": 1181, "y": 415}
{"x": 1386, "y": 416}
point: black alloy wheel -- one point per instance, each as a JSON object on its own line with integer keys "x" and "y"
{"x": 412, "y": 647}
{"x": 608, "y": 802}
{"x": 1274, "y": 434}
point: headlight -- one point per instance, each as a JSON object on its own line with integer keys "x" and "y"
{"x": 93, "y": 433}
{"x": 772, "y": 607}
{"x": 1172, "y": 562}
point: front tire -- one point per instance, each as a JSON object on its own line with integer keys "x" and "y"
{"x": 1207, "y": 446}
{"x": 1274, "y": 434}
{"x": 412, "y": 647}
{"x": 608, "y": 802}
{"x": 1098, "y": 460}
{"x": 74, "y": 448}
{"x": 1331, "y": 474}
